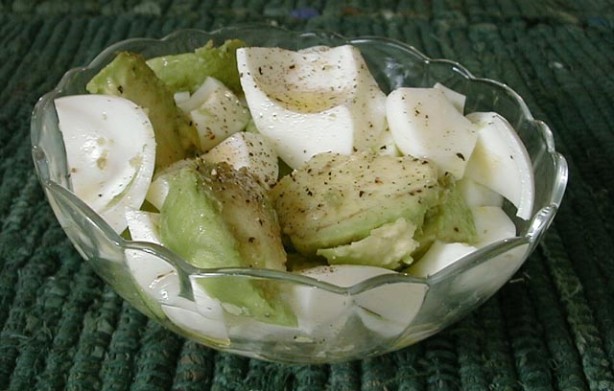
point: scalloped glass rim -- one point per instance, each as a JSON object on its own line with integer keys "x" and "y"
{"x": 52, "y": 179}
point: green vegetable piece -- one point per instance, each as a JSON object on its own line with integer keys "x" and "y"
{"x": 247, "y": 209}
{"x": 187, "y": 71}
{"x": 129, "y": 76}
{"x": 201, "y": 221}
{"x": 450, "y": 221}
{"x": 337, "y": 199}
{"x": 390, "y": 246}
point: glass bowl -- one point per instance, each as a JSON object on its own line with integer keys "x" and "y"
{"x": 352, "y": 319}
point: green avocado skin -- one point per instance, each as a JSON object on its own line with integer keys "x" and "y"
{"x": 129, "y": 76}
{"x": 193, "y": 224}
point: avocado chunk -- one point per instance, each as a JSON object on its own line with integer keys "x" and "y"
{"x": 188, "y": 71}
{"x": 217, "y": 217}
{"x": 389, "y": 246}
{"x": 337, "y": 199}
{"x": 248, "y": 211}
{"x": 129, "y": 76}
{"x": 449, "y": 221}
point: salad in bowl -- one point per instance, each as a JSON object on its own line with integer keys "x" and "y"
{"x": 295, "y": 197}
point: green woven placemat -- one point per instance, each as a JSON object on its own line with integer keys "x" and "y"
{"x": 550, "y": 328}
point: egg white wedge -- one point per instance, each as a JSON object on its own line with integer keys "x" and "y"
{"x": 184, "y": 313}
{"x": 389, "y": 309}
{"x": 475, "y": 194}
{"x": 148, "y": 269}
{"x": 317, "y": 309}
{"x": 486, "y": 278}
{"x": 427, "y": 125}
{"x": 110, "y": 151}
{"x": 157, "y": 279}
{"x": 456, "y": 98}
{"x": 387, "y": 145}
{"x": 158, "y": 189}
{"x": 143, "y": 226}
{"x": 320, "y": 99}
{"x": 501, "y": 162}
{"x": 181, "y": 97}
{"x": 250, "y": 150}
{"x": 215, "y": 111}
{"x": 439, "y": 256}
{"x": 491, "y": 224}
{"x": 241, "y": 327}
{"x": 386, "y": 310}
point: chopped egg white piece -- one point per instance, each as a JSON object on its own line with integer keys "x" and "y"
{"x": 181, "y": 97}
{"x": 386, "y": 310}
{"x": 492, "y": 224}
{"x": 147, "y": 269}
{"x": 110, "y": 151}
{"x": 390, "y": 308}
{"x": 386, "y": 145}
{"x": 501, "y": 163}
{"x": 215, "y": 111}
{"x": 320, "y": 99}
{"x": 439, "y": 256}
{"x": 153, "y": 275}
{"x": 250, "y": 150}
{"x": 475, "y": 194}
{"x": 184, "y": 313}
{"x": 425, "y": 124}
{"x": 457, "y": 99}
{"x": 159, "y": 187}
{"x": 317, "y": 309}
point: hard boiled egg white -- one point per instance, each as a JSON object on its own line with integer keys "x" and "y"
{"x": 250, "y": 150}
{"x": 310, "y": 101}
{"x": 110, "y": 151}
{"x": 147, "y": 269}
{"x": 501, "y": 163}
{"x": 215, "y": 111}
{"x": 475, "y": 194}
{"x": 184, "y": 313}
{"x": 439, "y": 256}
{"x": 152, "y": 274}
{"x": 492, "y": 224}
{"x": 386, "y": 310}
{"x": 159, "y": 187}
{"x": 427, "y": 125}
{"x": 457, "y": 99}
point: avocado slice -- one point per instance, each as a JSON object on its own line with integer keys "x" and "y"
{"x": 187, "y": 71}
{"x": 248, "y": 211}
{"x": 449, "y": 221}
{"x": 389, "y": 246}
{"x": 129, "y": 76}
{"x": 216, "y": 217}
{"x": 337, "y": 199}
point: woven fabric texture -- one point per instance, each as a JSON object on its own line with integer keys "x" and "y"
{"x": 550, "y": 328}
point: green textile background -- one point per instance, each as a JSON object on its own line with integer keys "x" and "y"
{"x": 550, "y": 328}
